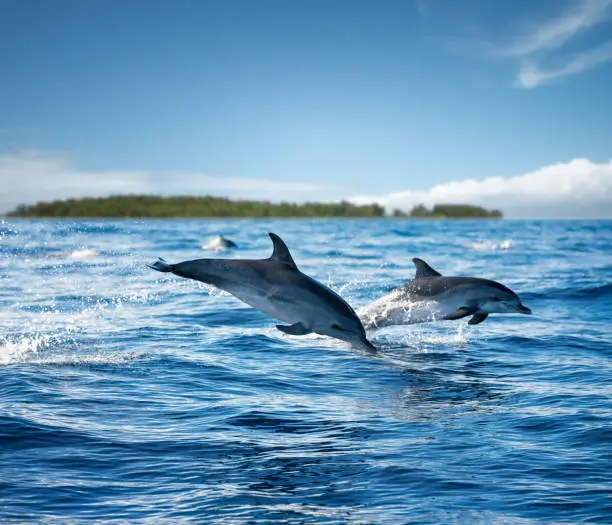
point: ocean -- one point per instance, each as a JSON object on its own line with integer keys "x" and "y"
{"x": 130, "y": 396}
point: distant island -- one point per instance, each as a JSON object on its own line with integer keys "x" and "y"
{"x": 152, "y": 206}
{"x": 449, "y": 211}
{"x": 190, "y": 206}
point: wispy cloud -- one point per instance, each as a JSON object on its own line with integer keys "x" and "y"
{"x": 27, "y": 177}
{"x": 546, "y": 41}
{"x": 554, "y": 33}
{"x": 532, "y": 75}
{"x": 579, "y": 188}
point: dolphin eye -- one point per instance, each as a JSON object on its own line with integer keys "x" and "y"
{"x": 496, "y": 300}
{"x": 336, "y": 326}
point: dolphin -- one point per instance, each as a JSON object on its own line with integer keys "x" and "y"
{"x": 220, "y": 243}
{"x": 430, "y": 297}
{"x": 276, "y": 287}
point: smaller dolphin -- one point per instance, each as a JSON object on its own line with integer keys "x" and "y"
{"x": 276, "y": 287}
{"x": 219, "y": 243}
{"x": 430, "y": 297}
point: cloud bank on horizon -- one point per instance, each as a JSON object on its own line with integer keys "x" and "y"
{"x": 576, "y": 189}
{"x": 579, "y": 188}
{"x": 29, "y": 177}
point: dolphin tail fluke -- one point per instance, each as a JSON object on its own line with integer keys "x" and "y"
{"x": 161, "y": 266}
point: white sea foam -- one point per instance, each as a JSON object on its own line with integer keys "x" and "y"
{"x": 83, "y": 254}
{"x": 489, "y": 246}
{"x": 424, "y": 335}
{"x": 22, "y": 349}
{"x": 36, "y": 350}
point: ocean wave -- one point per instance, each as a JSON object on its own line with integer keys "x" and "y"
{"x": 571, "y": 292}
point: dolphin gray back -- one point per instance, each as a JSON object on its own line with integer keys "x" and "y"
{"x": 219, "y": 272}
{"x": 281, "y": 256}
{"x": 429, "y": 283}
{"x": 435, "y": 286}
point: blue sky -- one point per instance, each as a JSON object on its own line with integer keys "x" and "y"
{"x": 311, "y": 99}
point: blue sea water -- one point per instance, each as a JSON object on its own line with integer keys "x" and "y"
{"x": 130, "y": 396}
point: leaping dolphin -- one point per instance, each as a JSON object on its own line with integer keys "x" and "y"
{"x": 276, "y": 287}
{"x": 430, "y": 296}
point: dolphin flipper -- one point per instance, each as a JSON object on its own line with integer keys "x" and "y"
{"x": 294, "y": 329}
{"x": 460, "y": 313}
{"x": 478, "y": 318}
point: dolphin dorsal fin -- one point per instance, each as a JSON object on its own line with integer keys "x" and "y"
{"x": 423, "y": 269}
{"x": 281, "y": 252}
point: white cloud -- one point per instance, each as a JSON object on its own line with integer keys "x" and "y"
{"x": 531, "y": 75}
{"x": 28, "y": 177}
{"x": 579, "y": 188}
{"x": 555, "y": 32}
{"x": 544, "y": 42}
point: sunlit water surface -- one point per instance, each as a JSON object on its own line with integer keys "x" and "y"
{"x": 128, "y": 395}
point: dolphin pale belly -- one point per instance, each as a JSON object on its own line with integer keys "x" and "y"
{"x": 430, "y": 296}
{"x": 276, "y": 287}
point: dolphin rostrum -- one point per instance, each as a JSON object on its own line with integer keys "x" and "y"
{"x": 276, "y": 287}
{"x": 430, "y": 297}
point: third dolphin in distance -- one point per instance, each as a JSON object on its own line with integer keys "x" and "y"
{"x": 220, "y": 243}
{"x": 430, "y": 296}
{"x": 276, "y": 287}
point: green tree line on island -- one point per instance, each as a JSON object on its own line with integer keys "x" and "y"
{"x": 449, "y": 211}
{"x": 190, "y": 206}
{"x": 142, "y": 206}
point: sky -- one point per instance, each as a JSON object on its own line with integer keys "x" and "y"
{"x": 502, "y": 104}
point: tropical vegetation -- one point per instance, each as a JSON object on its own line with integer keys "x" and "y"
{"x": 208, "y": 206}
